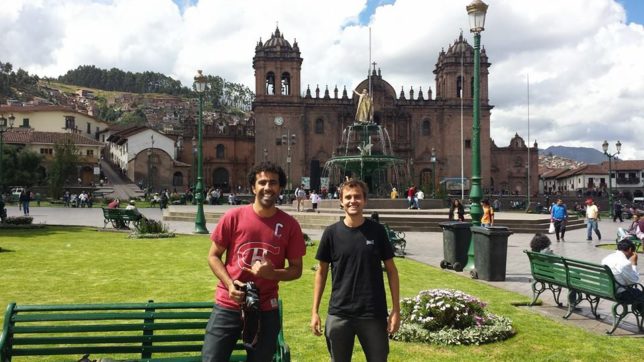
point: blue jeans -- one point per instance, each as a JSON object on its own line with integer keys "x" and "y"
{"x": 591, "y": 225}
{"x": 25, "y": 207}
{"x": 224, "y": 329}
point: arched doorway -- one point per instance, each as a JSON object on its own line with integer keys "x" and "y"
{"x": 220, "y": 179}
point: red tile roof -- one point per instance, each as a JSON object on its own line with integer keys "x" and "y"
{"x": 17, "y": 136}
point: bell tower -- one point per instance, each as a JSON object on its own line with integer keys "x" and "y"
{"x": 277, "y": 67}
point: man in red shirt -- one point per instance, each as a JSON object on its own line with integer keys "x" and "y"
{"x": 258, "y": 240}
{"x": 411, "y": 194}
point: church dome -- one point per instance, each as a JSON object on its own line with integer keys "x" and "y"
{"x": 277, "y": 41}
{"x": 459, "y": 47}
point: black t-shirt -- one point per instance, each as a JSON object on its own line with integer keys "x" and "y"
{"x": 355, "y": 256}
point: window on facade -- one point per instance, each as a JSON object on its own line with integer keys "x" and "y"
{"x": 89, "y": 128}
{"x": 90, "y": 152}
{"x": 219, "y": 151}
{"x": 319, "y": 126}
{"x": 468, "y": 143}
{"x": 426, "y": 129}
{"x": 25, "y": 123}
{"x": 459, "y": 86}
{"x": 46, "y": 151}
{"x": 270, "y": 83}
{"x": 70, "y": 122}
{"x": 285, "y": 84}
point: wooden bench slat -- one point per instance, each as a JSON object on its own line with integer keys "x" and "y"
{"x": 108, "y": 327}
{"x": 113, "y": 306}
{"x": 24, "y": 341}
{"x": 108, "y": 316}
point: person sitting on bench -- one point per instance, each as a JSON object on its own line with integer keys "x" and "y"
{"x": 623, "y": 264}
{"x": 636, "y": 229}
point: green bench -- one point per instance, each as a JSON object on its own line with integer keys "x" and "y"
{"x": 548, "y": 273}
{"x": 585, "y": 281}
{"x": 120, "y": 218}
{"x": 138, "y": 331}
{"x": 396, "y": 239}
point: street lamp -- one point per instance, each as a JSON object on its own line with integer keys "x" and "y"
{"x": 476, "y": 11}
{"x": 200, "y": 219}
{"x": 265, "y": 154}
{"x": 433, "y": 173}
{"x": 618, "y": 145}
{"x": 4, "y": 126}
{"x": 150, "y": 188}
{"x": 194, "y": 163}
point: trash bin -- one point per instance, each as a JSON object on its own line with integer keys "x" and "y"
{"x": 456, "y": 242}
{"x": 490, "y": 252}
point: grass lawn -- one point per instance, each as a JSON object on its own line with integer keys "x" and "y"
{"x": 81, "y": 265}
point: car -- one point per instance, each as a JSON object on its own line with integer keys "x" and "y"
{"x": 15, "y": 193}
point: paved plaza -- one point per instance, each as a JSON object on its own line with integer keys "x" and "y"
{"x": 427, "y": 247}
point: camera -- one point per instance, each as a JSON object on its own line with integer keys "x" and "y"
{"x": 251, "y": 301}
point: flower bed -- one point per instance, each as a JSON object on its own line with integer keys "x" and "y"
{"x": 450, "y": 317}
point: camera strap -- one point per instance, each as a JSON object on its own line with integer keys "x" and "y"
{"x": 251, "y": 326}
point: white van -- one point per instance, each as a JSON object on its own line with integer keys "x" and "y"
{"x": 638, "y": 200}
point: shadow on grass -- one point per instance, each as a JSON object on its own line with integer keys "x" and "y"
{"x": 40, "y": 230}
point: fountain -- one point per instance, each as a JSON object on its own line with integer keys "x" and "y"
{"x": 365, "y": 153}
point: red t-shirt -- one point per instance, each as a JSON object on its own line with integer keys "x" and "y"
{"x": 248, "y": 237}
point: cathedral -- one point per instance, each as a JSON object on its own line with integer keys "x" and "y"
{"x": 301, "y": 129}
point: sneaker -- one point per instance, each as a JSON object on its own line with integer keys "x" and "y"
{"x": 562, "y": 239}
{"x": 589, "y": 239}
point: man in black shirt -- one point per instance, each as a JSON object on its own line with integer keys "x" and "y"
{"x": 355, "y": 249}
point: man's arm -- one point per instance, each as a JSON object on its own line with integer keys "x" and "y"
{"x": 265, "y": 269}
{"x": 629, "y": 271}
{"x": 393, "y": 322}
{"x": 318, "y": 289}
{"x": 219, "y": 269}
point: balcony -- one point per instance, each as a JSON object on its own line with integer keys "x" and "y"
{"x": 627, "y": 181}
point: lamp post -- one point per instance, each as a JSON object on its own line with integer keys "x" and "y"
{"x": 150, "y": 188}
{"x": 200, "y": 219}
{"x": 194, "y": 163}
{"x": 433, "y": 173}
{"x": 476, "y": 11}
{"x": 618, "y": 145}
{"x": 265, "y": 154}
{"x": 289, "y": 140}
{"x": 4, "y": 126}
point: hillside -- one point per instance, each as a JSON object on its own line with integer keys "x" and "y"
{"x": 581, "y": 154}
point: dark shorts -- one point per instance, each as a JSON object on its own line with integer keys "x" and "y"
{"x": 224, "y": 329}
{"x": 340, "y": 335}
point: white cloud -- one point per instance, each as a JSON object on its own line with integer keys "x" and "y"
{"x": 586, "y": 83}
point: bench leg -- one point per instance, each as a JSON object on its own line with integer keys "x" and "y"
{"x": 536, "y": 291}
{"x": 574, "y": 298}
{"x": 556, "y": 293}
{"x": 617, "y": 317}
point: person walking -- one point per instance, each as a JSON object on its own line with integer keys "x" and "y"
{"x": 592, "y": 217}
{"x": 263, "y": 245}
{"x": 487, "y": 219}
{"x": 411, "y": 194}
{"x": 315, "y": 199}
{"x": 24, "y": 199}
{"x": 300, "y": 195}
{"x": 355, "y": 248}
{"x": 456, "y": 210}
{"x": 617, "y": 211}
{"x": 559, "y": 216}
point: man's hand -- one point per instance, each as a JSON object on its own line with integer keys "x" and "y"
{"x": 263, "y": 269}
{"x": 234, "y": 293}
{"x": 393, "y": 322}
{"x": 633, "y": 259}
{"x": 316, "y": 324}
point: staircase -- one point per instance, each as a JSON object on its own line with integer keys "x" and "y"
{"x": 119, "y": 186}
{"x": 401, "y": 220}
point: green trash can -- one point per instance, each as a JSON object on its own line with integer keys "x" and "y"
{"x": 490, "y": 252}
{"x": 456, "y": 243}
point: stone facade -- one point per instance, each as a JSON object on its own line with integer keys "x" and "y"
{"x": 416, "y": 122}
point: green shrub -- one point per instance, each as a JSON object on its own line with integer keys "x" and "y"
{"x": 446, "y": 316}
{"x": 19, "y": 220}
{"x": 150, "y": 226}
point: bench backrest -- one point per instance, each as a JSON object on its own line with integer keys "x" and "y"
{"x": 547, "y": 268}
{"x": 141, "y": 330}
{"x": 122, "y": 214}
{"x": 592, "y": 278}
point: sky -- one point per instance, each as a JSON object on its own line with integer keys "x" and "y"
{"x": 582, "y": 57}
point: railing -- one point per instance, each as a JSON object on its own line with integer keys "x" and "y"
{"x": 627, "y": 181}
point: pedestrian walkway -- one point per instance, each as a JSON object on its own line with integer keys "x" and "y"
{"x": 427, "y": 247}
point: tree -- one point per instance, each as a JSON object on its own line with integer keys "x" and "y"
{"x": 63, "y": 167}
{"x": 24, "y": 165}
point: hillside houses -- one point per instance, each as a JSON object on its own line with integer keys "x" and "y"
{"x": 627, "y": 176}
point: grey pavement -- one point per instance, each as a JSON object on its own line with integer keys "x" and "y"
{"x": 427, "y": 247}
